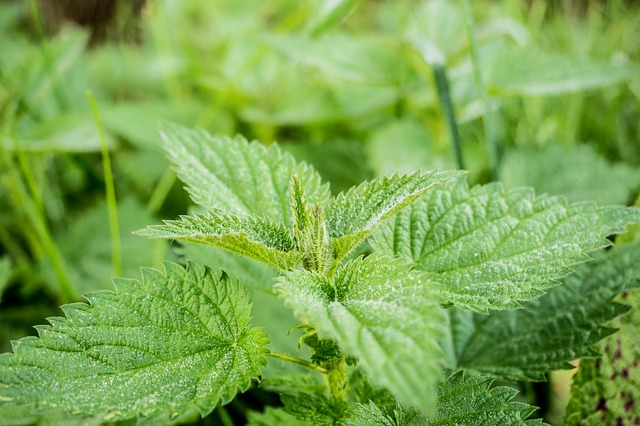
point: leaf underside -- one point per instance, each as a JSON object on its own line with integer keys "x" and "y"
{"x": 233, "y": 176}
{"x": 176, "y": 343}
{"x": 383, "y": 314}
{"x": 253, "y": 237}
{"x": 490, "y": 249}
{"x": 559, "y": 327}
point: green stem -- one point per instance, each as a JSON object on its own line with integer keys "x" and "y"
{"x": 444, "y": 95}
{"x": 225, "y": 418}
{"x": 36, "y": 216}
{"x": 161, "y": 190}
{"x": 298, "y": 361}
{"x": 489, "y": 134}
{"x": 112, "y": 206}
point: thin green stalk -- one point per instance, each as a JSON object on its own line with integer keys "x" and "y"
{"x": 161, "y": 190}
{"x": 225, "y": 418}
{"x": 298, "y": 361}
{"x": 22, "y": 200}
{"x": 489, "y": 133}
{"x": 112, "y": 205}
{"x": 444, "y": 95}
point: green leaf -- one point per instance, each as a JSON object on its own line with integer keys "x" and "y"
{"x": 233, "y": 176}
{"x": 274, "y": 416}
{"x": 314, "y": 408}
{"x": 474, "y": 402}
{"x": 413, "y": 148}
{"x": 354, "y": 215}
{"x": 380, "y": 312}
{"x": 176, "y": 343}
{"x": 328, "y": 14}
{"x": 269, "y": 312}
{"x": 372, "y": 415}
{"x": 606, "y": 391}
{"x": 254, "y": 237}
{"x": 489, "y": 248}
{"x": 578, "y": 173}
{"x": 559, "y": 327}
{"x": 530, "y": 72}
{"x": 461, "y": 402}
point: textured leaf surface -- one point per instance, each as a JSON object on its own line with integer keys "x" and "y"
{"x": 381, "y": 313}
{"x": 354, "y": 215}
{"x": 254, "y": 237}
{"x": 461, "y": 402}
{"x": 314, "y": 408}
{"x": 606, "y": 391}
{"x": 175, "y": 343}
{"x": 473, "y": 402}
{"x": 234, "y": 176}
{"x": 372, "y": 415}
{"x": 578, "y": 173}
{"x": 489, "y": 248}
{"x": 559, "y": 327}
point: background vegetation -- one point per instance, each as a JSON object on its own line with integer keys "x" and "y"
{"x": 538, "y": 93}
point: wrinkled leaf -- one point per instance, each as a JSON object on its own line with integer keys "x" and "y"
{"x": 489, "y": 248}
{"x": 253, "y": 237}
{"x": 354, "y": 215}
{"x": 234, "y": 176}
{"x": 555, "y": 329}
{"x": 380, "y": 312}
{"x": 176, "y": 343}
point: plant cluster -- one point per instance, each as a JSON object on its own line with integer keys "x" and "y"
{"x": 391, "y": 332}
{"x": 296, "y": 293}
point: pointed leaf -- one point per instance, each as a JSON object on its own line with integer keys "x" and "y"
{"x": 473, "y": 402}
{"x": 460, "y": 402}
{"x": 254, "y": 237}
{"x": 490, "y": 249}
{"x": 380, "y": 312}
{"x": 234, "y": 176}
{"x": 559, "y": 327}
{"x": 314, "y": 408}
{"x": 354, "y": 215}
{"x": 175, "y": 343}
{"x": 372, "y": 415}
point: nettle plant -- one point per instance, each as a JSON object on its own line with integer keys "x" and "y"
{"x": 453, "y": 279}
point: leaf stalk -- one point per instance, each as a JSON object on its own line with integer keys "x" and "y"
{"x": 298, "y": 361}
